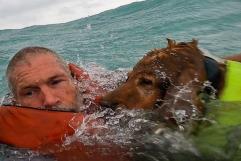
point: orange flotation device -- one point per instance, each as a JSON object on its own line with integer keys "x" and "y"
{"x": 33, "y": 128}
{"x": 45, "y": 131}
{"x": 81, "y": 75}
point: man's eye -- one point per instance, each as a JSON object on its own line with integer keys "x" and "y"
{"x": 55, "y": 82}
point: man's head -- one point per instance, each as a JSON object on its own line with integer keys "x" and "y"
{"x": 39, "y": 78}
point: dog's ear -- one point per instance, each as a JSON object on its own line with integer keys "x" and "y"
{"x": 194, "y": 43}
{"x": 171, "y": 43}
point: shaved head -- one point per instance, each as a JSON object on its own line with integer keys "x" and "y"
{"x": 23, "y": 57}
{"x": 39, "y": 78}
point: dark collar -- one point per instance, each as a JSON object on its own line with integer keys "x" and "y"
{"x": 213, "y": 71}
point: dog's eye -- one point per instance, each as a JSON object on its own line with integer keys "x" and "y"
{"x": 145, "y": 82}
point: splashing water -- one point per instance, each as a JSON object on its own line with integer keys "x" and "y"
{"x": 109, "y": 80}
{"x": 138, "y": 131}
{"x": 134, "y": 129}
{"x": 111, "y": 127}
{"x": 8, "y": 153}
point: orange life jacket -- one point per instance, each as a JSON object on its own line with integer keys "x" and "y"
{"x": 80, "y": 75}
{"x": 33, "y": 128}
{"x": 44, "y": 131}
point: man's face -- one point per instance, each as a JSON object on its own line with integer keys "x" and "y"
{"x": 42, "y": 82}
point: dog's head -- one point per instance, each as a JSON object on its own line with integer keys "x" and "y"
{"x": 167, "y": 79}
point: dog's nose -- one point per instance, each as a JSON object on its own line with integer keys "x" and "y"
{"x": 108, "y": 104}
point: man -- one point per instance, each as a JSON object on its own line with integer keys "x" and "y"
{"x": 39, "y": 78}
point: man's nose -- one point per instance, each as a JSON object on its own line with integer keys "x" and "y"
{"x": 50, "y": 98}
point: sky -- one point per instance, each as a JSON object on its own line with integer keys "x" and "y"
{"x": 15, "y": 14}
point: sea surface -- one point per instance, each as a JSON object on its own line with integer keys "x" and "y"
{"x": 119, "y": 38}
{"x": 116, "y": 39}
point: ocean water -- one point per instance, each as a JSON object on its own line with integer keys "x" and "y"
{"x": 119, "y": 38}
{"x": 116, "y": 39}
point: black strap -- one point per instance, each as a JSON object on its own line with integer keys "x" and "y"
{"x": 213, "y": 71}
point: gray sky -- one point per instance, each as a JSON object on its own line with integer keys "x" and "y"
{"x": 22, "y": 13}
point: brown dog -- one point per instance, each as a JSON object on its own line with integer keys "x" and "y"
{"x": 169, "y": 80}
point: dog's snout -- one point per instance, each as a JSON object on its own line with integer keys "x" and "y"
{"x": 105, "y": 103}
{"x": 108, "y": 104}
